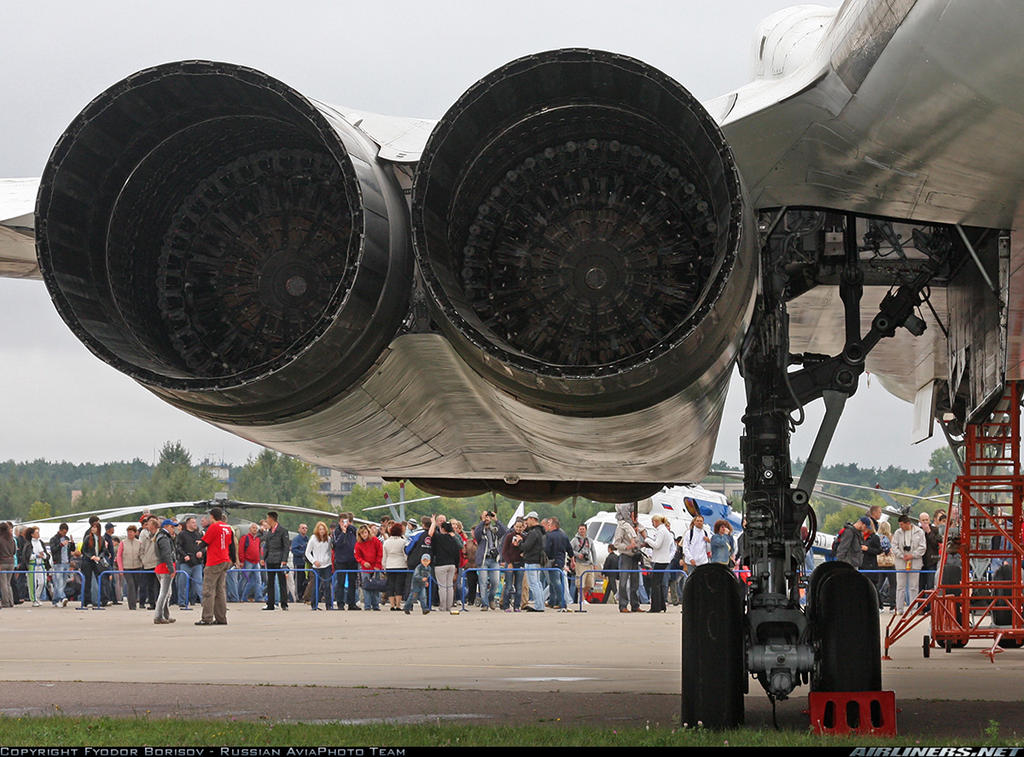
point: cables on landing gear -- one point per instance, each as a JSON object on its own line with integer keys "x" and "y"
{"x": 812, "y": 529}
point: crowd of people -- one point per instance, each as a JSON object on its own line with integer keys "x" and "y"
{"x": 437, "y": 563}
{"x": 900, "y": 564}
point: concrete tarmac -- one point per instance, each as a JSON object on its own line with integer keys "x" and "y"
{"x": 596, "y": 667}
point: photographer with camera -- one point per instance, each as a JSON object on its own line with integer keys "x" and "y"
{"x": 908, "y": 547}
{"x": 488, "y": 534}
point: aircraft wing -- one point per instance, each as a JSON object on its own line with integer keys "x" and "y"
{"x": 907, "y": 109}
{"x": 401, "y": 140}
{"x": 17, "y": 228}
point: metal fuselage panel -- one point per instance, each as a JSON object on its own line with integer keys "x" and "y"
{"x": 903, "y": 363}
{"x": 423, "y": 412}
{"x": 907, "y": 110}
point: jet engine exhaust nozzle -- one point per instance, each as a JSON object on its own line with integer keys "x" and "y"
{"x": 203, "y": 227}
{"x": 578, "y": 219}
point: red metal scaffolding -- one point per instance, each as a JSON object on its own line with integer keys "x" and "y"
{"x": 984, "y": 524}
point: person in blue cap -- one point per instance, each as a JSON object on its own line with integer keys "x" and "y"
{"x": 164, "y": 541}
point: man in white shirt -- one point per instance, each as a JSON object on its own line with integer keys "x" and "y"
{"x": 662, "y": 546}
{"x": 696, "y": 541}
{"x": 908, "y": 546}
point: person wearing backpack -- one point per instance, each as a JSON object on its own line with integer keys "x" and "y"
{"x": 851, "y": 547}
{"x": 696, "y": 544}
{"x": 627, "y": 542}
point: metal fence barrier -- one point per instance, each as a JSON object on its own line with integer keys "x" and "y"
{"x": 29, "y": 572}
{"x": 461, "y": 579}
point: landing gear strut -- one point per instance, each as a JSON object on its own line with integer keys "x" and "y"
{"x": 782, "y": 645}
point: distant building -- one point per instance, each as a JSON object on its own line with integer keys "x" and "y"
{"x": 337, "y": 484}
{"x": 219, "y": 471}
{"x": 76, "y": 494}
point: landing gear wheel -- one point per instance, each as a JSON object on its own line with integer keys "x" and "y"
{"x": 844, "y": 615}
{"x": 820, "y": 574}
{"x": 714, "y": 673}
{"x": 1002, "y": 616}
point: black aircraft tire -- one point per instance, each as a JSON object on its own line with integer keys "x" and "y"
{"x": 1002, "y": 617}
{"x": 714, "y": 673}
{"x": 950, "y": 576}
{"x": 846, "y": 629}
{"x": 820, "y": 574}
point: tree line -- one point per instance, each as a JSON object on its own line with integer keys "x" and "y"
{"x": 38, "y": 489}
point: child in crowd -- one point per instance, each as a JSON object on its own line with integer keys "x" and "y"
{"x": 420, "y": 586}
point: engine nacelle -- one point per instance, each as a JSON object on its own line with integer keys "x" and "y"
{"x": 580, "y": 225}
{"x": 233, "y": 246}
{"x": 580, "y": 228}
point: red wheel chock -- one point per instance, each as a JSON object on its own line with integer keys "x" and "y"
{"x": 862, "y": 712}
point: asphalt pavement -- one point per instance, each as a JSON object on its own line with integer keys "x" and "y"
{"x": 597, "y": 666}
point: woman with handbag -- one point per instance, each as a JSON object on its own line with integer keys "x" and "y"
{"x": 36, "y": 560}
{"x": 93, "y": 562}
{"x": 369, "y": 553}
{"x": 886, "y": 561}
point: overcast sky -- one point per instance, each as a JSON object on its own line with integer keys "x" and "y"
{"x": 403, "y": 58}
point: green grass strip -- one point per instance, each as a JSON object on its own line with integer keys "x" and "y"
{"x": 58, "y": 730}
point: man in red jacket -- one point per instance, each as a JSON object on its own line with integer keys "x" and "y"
{"x": 220, "y": 544}
{"x": 251, "y": 553}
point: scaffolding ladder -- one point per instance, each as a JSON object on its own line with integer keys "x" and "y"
{"x": 984, "y": 524}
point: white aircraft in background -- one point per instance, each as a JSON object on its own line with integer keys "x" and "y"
{"x": 679, "y": 504}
